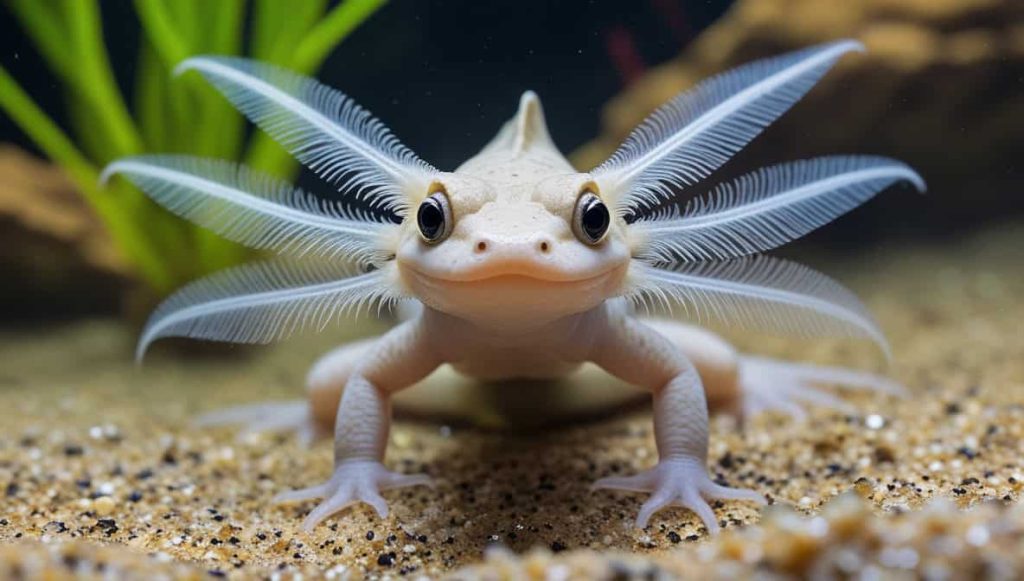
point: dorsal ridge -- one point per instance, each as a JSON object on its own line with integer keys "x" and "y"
{"x": 531, "y": 130}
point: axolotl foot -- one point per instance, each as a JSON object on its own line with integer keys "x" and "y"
{"x": 786, "y": 387}
{"x": 678, "y": 482}
{"x": 291, "y": 416}
{"x": 353, "y": 481}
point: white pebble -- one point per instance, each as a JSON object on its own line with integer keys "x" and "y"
{"x": 817, "y": 527}
{"x": 558, "y": 573}
{"x": 977, "y": 535}
{"x": 335, "y": 572}
{"x": 899, "y": 558}
{"x": 103, "y": 506}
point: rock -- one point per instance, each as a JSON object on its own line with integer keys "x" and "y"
{"x": 56, "y": 257}
{"x": 939, "y": 88}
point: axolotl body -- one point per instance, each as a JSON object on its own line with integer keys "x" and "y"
{"x": 516, "y": 265}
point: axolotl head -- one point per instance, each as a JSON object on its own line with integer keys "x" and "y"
{"x": 514, "y": 234}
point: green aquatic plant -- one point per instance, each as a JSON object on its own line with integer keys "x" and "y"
{"x": 166, "y": 112}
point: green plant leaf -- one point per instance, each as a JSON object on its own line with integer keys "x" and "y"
{"x": 162, "y": 32}
{"x": 278, "y": 27}
{"x": 125, "y": 231}
{"x": 86, "y": 33}
{"x": 170, "y": 115}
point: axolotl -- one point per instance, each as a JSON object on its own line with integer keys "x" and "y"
{"x": 516, "y": 265}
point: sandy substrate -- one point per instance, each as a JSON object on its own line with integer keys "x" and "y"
{"x": 101, "y": 473}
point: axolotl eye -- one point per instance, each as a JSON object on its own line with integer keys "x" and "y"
{"x": 434, "y": 218}
{"x": 590, "y": 219}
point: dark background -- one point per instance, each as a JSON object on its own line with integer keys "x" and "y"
{"x": 444, "y": 75}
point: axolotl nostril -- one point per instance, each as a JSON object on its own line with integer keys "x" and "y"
{"x": 516, "y": 265}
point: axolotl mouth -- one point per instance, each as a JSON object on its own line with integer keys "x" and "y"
{"x": 510, "y": 270}
{"x": 502, "y": 292}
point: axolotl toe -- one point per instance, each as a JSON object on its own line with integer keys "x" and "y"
{"x": 516, "y": 266}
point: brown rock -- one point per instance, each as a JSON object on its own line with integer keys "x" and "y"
{"x": 939, "y": 88}
{"x": 55, "y": 254}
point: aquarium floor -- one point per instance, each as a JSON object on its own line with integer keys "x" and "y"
{"x": 101, "y": 472}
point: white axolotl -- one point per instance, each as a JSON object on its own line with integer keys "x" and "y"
{"x": 519, "y": 266}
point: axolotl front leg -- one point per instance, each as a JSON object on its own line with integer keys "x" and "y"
{"x": 638, "y": 354}
{"x": 625, "y": 347}
{"x": 686, "y": 368}
{"x": 395, "y": 361}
